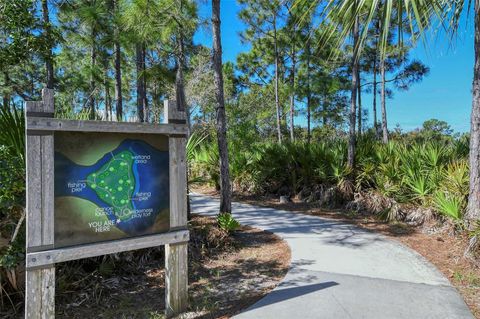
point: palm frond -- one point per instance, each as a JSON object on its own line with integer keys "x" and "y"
{"x": 406, "y": 19}
{"x": 12, "y": 130}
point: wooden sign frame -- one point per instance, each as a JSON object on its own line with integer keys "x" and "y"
{"x": 41, "y": 256}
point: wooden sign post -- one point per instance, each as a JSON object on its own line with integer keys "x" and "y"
{"x": 176, "y": 255}
{"x": 44, "y": 249}
{"x": 40, "y": 282}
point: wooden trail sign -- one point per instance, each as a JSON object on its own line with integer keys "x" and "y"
{"x": 96, "y": 188}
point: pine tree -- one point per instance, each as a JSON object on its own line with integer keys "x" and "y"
{"x": 225, "y": 192}
{"x": 262, "y": 18}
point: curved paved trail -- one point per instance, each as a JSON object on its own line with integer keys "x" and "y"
{"x": 341, "y": 271}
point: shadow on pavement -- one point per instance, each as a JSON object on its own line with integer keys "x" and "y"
{"x": 279, "y": 294}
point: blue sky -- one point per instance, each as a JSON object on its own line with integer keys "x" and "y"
{"x": 445, "y": 94}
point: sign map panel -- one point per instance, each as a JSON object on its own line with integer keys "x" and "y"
{"x": 110, "y": 186}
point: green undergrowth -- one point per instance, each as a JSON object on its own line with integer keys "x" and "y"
{"x": 432, "y": 173}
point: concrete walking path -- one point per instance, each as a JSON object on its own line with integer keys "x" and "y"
{"x": 341, "y": 271}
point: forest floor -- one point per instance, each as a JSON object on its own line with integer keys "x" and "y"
{"x": 442, "y": 248}
{"x": 227, "y": 273}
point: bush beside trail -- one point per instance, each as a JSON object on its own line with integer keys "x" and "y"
{"x": 407, "y": 179}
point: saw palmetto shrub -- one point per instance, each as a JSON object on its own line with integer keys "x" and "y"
{"x": 12, "y": 203}
{"x": 432, "y": 174}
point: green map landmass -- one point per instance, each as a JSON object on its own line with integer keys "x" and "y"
{"x": 114, "y": 183}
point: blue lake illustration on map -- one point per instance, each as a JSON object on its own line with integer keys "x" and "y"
{"x": 130, "y": 184}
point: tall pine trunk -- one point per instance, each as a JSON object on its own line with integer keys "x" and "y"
{"x": 473, "y": 208}
{"x": 383, "y": 102}
{"x": 140, "y": 88}
{"x": 375, "y": 71}
{"x": 155, "y": 101}
{"x": 309, "y": 93}
{"x": 179, "y": 80}
{"x": 353, "y": 99}
{"x": 118, "y": 68}
{"x": 93, "y": 62}
{"x": 277, "y": 100}
{"x": 6, "y": 94}
{"x": 225, "y": 192}
{"x": 49, "y": 51}
{"x": 324, "y": 110}
{"x": 375, "y": 121}
{"x": 359, "y": 97}
{"x": 180, "y": 92}
{"x": 292, "y": 96}
{"x": 106, "y": 86}
{"x": 144, "y": 84}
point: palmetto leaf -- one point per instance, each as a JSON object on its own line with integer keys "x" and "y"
{"x": 456, "y": 178}
{"x": 420, "y": 187}
{"x": 449, "y": 205}
{"x": 193, "y": 143}
{"x": 12, "y": 130}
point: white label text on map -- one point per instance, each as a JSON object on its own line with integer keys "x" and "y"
{"x": 141, "y": 159}
{"x": 76, "y": 187}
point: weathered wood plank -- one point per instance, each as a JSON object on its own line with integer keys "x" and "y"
{"x": 178, "y": 183}
{"x": 176, "y": 255}
{"x": 40, "y": 284}
{"x": 48, "y": 292}
{"x": 176, "y": 279}
{"x": 47, "y": 159}
{"x": 33, "y": 106}
{"x": 50, "y": 124}
{"x": 48, "y": 100}
{"x": 40, "y": 294}
{"x": 33, "y": 298}
{"x": 34, "y": 191}
{"x": 171, "y": 114}
{"x": 48, "y": 257}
